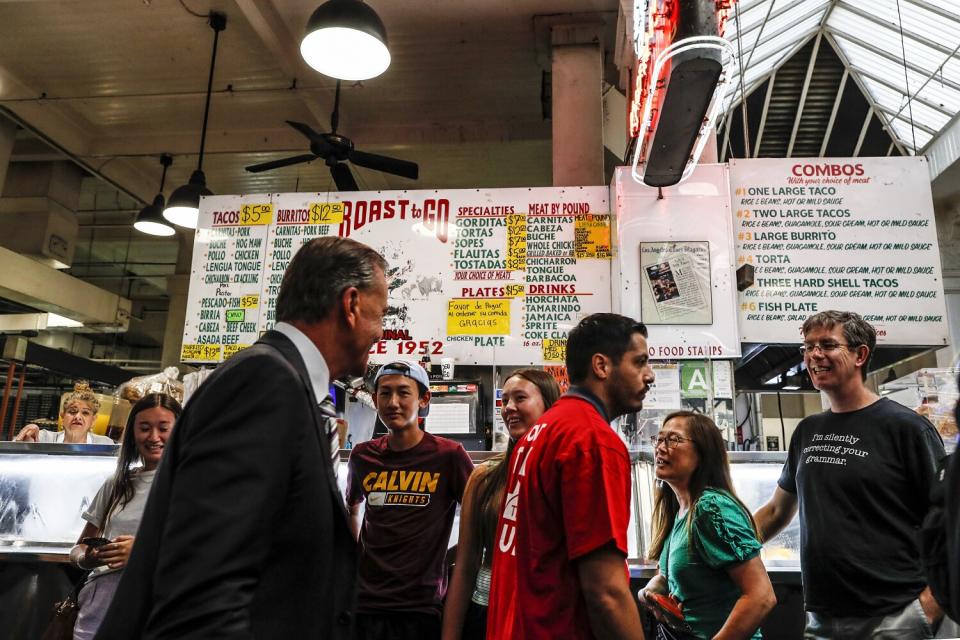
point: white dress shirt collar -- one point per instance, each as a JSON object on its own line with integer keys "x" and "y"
{"x": 317, "y": 368}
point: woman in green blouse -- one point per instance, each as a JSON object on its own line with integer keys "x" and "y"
{"x": 703, "y": 536}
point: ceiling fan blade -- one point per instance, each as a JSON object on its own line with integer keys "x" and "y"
{"x": 282, "y": 162}
{"x": 305, "y": 130}
{"x": 343, "y": 178}
{"x": 397, "y": 167}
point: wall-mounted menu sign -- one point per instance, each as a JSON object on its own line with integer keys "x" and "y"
{"x": 484, "y": 277}
{"x": 853, "y": 234}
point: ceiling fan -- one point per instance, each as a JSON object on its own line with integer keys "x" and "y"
{"x": 335, "y": 150}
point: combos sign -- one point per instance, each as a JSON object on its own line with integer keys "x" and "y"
{"x": 482, "y": 277}
{"x": 848, "y": 235}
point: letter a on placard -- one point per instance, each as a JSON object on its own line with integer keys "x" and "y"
{"x": 697, "y": 381}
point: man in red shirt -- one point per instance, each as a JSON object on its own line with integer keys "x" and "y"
{"x": 411, "y": 482}
{"x": 559, "y": 566}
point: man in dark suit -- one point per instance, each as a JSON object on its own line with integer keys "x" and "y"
{"x": 245, "y": 534}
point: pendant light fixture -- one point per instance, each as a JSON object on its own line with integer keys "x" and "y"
{"x": 150, "y": 220}
{"x": 346, "y": 40}
{"x": 184, "y": 206}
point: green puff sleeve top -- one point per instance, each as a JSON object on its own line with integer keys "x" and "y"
{"x": 721, "y": 535}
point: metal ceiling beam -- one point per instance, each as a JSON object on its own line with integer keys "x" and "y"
{"x": 888, "y": 127}
{"x": 889, "y": 85}
{"x": 779, "y": 12}
{"x": 926, "y": 6}
{"x": 803, "y": 93}
{"x": 265, "y": 19}
{"x": 756, "y": 84}
{"x": 886, "y": 55}
{"x": 763, "y": 115}
{"x": 833, "y": 112}
{"x": 28, "y": 282}
{"x": 869, "y": 17}
{"x": 898, "y": 115}
{"x": 863, "y": 133}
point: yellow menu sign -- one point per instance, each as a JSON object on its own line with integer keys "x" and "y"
{"x": 254, "y": 214}
{"x": 230, "y": 349}
{"x": 200, "y": 353}
{"x": 554, "y": 350}
{"x": 326, "y": 212}
{"x": 467, "y": 317}
{"x": 516, "y": 258}
{"x": 250, "y": 301}
{"x": 591, "y": 236}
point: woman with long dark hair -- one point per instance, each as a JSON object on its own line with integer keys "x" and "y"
{"x": 527, "y": 394}
{"x": 703, "y": 535}
{"x": 114, "y": 515}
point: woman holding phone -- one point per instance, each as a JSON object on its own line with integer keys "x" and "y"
{"x": 114, "y": 515}
{"x": 704, "y": 537}
{"x": 527, "y": 394}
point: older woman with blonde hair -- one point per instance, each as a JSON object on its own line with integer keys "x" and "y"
{"x": 78, "y": 413}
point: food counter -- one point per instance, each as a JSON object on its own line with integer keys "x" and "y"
{"x": 44, "y": 488}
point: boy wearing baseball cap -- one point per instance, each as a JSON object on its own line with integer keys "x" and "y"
{"x": 411, "y": 482}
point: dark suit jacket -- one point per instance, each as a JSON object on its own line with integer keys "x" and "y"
{"x": 244, "y": 534}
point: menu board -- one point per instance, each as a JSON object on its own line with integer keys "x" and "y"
{"x": 483, "y": 277}
{"x": 853, "y": 234}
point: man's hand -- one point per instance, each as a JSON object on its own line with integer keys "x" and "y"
{"x": 931, "y": 608}
{"x": 30, "y": 433}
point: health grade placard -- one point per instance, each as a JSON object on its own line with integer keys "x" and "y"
{"x": 847, "y": 234}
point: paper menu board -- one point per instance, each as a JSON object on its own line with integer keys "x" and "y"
{"x": 483, "y": 277}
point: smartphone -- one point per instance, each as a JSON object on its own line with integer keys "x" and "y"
{"x": 95, "y": 542}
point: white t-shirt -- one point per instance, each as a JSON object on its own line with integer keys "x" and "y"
{"x": 57, "y": 436}
{"x": 123, "y": 522}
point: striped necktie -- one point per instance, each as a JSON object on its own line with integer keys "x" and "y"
{"x": 329, "y": 411}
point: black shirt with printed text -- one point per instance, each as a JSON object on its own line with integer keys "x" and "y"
{"x": 862, "y": 479}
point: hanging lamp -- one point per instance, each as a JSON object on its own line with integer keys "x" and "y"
{"x": 183, "y": 208}
{"x": 150, "y": 220}
{"x": 346, "y": 39}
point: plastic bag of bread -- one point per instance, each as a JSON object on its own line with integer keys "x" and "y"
{"x": 164, "y": 382}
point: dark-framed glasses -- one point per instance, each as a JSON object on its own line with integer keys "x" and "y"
{"x": 825, "y": 348}
{"x": 669, "y": 441}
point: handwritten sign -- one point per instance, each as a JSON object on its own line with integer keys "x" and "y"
{"x": 230, "y": 349}
{"x": 554, "y": 350}
{"x": 235, "y": 315}
{"x": 254, "y": 214}
{"x": 326, "y": 212}
{"x": 468, "y": 317}
{"x": 251, "y": 301}
{"x": 591, "y": 236}
{"x": 200, "y": 353}
{"x": 516, "y": 258}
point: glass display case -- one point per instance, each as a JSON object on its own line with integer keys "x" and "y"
{"x": 44, "y": 489}
{"x": 755, "y": 475}
{"x": 931, "y": 393}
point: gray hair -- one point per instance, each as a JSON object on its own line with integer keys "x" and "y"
{"x": 319, "y": 273}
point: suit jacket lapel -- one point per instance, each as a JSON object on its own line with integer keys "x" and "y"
{"x": 289, "y": 351}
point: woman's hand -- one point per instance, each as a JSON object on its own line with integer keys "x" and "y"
{"x": 115, "y": 553}
{"x": 30, "y": 433}
{"x": 657, "y": 584}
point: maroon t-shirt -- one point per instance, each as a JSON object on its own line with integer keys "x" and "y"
{"x": 411, "y": 499}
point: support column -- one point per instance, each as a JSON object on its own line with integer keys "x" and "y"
{"x": 8, "y": 133}
{"x": 577, "y": 86}
{"x": 177, "y": 288}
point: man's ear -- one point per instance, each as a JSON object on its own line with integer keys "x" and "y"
{"x": 425, "y": 399}
{"x": 600, "y": 365}
{"x": 861, "y": 361}
{"x": 350, "y": 306}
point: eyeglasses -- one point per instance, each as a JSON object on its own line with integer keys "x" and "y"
{"x": 669, "y": 441}
{"x": 824, "y": 347}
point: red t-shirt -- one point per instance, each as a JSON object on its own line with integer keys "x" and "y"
{"x": 411, "y": 499}
{"x": 568, "y": 493}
